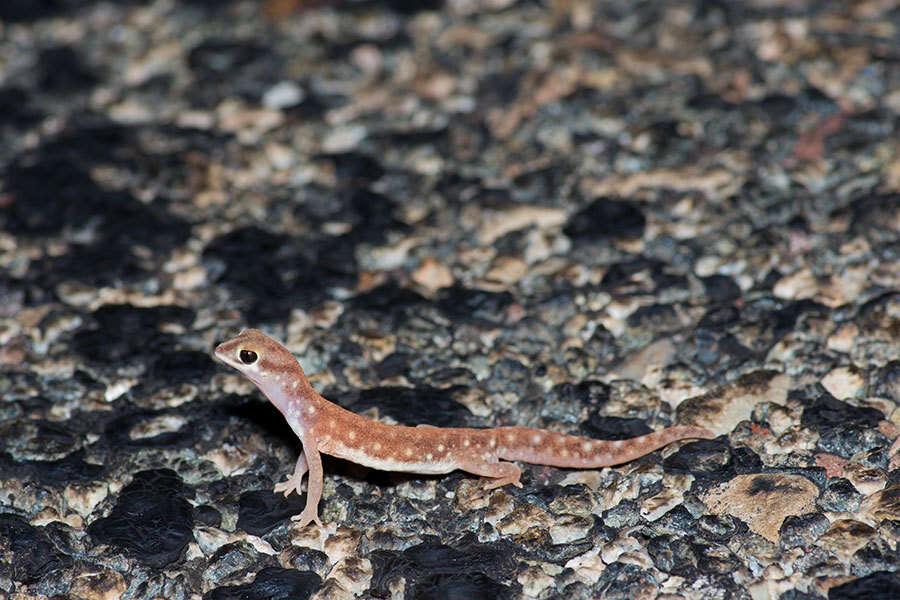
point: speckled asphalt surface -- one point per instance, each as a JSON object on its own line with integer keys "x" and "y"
{"x": 574, "y": 215}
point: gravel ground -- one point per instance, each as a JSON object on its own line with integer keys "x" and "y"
{"x": 595, "y": 217}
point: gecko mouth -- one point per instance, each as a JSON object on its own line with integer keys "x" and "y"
{"x": 221, "y": 354}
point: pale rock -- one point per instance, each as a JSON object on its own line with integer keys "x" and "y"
{"x": 845, "y": 382}
{"x": 84, "y": 497}
{"x": 797, "y": 285}
{"x": 495, "y": 224}
{"x": 588, "y": 567}
{"x": 343, "y": 138}
{"x": 646, "y": 364}
{"x": 843, "y": 339}
{"x": 523, "y": 518}
{"x": 283, "y": 94}
{"x": 763, "y": 500}
{"x": 566, "y": 529}
{"x": 534, "y": 581}
{"x": 724, "y": 407}
{"x": 506, "y": 271}
{"x": 882, "y": 505}
{"x": 98, "y": 585}
{"x": 846, "y": 536}
{"x": 432, "y": 274}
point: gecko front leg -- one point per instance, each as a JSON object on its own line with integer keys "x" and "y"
{"x": 293, "y": 482}
{"x": 314, "y": 484}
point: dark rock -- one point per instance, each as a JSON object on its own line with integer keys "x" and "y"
{"x": 434, "y": 570}
{"x": 614, "y": 428}
{"x": 151, "y": 520}
{"x": 605, "y": 218}
{"x": 715, "y": 559}
{"x": 208, "y": 515}
{"x": 877, "y": 555}
{"x": 850, "y": 439}
{"x": 129, "y": 332}
{"x": 471, "y": 305}
{"x": 803, "y": 530}
{"x": 509, "y": 375}
{"x": 410, "y": 406}
{"x": 825, "y": 410}
{"x": 261, "y": 511}
{"x": 118, "y": 432}
{"x": 673, "y": 555}
{"x": 62, "y": 70}
{"x": 839, "y": 495}
{"x": 27, "y": 553}
{"x": 712, "y": 460}
{"x": 720, "y": 528}
{"x": 881, "y": 585}
{"x": 719, "y": 317}
{"x": 622, "y": 580}
{"x": 271, "y": 583}
{"x": 69, "y": 469}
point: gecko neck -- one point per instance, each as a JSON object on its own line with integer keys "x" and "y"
{"x": 292, "y": 396}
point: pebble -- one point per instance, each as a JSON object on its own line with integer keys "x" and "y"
{"x": 283, "y": 94}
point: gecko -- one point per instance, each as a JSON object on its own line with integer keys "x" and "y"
{"x": 326, "y": 428}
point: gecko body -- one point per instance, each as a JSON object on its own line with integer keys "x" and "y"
{"x": 325, "y": 427}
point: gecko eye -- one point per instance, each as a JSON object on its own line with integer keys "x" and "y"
{"x": 248, "y": 357}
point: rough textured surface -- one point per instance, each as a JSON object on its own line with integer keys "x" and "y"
{"x": 579, "y": 215}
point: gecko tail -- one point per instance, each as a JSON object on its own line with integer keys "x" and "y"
{"x": 542, "y": 447}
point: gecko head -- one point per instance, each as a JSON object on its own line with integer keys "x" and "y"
{"x": 259, "y": 358}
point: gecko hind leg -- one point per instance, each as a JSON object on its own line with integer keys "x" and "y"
{"x": 293, "y": 482}
{"x": 499, "y": 473}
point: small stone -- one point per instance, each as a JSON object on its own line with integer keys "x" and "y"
{"x": 83, "y": 497}
{"x": 846, "y": 536}
{"x": 850, "y": 440}
{"x": 845, "y": 382}
{"x": 802, "y": 530}
{"x": 506, "y": 271}
{"x": 843, "y": 339}
{"x": 432, "y": 274}
{"x": 647, "y": 364}
{"x": 523, "y": 518}
{"x": 570, "y": 528}
{"x": 668, "y": 498}
{"x": 882, "y": 505}
{"x": 102, "y": 585}
{"x": 283, "y": 94}
{"x": 867, "y": 480}
{"x": 344, "y": 138}
{"x": 840, "y": 496}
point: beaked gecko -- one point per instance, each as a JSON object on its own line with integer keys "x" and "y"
{"x": 325, "y": 427}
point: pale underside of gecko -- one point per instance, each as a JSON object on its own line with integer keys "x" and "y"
{"x": 325, "y": 427}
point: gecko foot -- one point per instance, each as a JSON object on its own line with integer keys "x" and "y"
{"x": 500, "y": 482}
{"x": 291, "y": 485}
{"x": 293, "y": 482}
{"x": 307, "y": 517}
